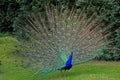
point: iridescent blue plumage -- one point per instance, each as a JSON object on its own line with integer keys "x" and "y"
{"x": 68, "y": 62}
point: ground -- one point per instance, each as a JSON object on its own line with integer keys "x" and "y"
{"x": 93, "y": 70}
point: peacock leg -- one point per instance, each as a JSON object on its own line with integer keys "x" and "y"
{"x": 64, "y": 73}
{"x": 61, "y": 73}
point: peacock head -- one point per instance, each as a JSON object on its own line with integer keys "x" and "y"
{"x": 72, "y": 51}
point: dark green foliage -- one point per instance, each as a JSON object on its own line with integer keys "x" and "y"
{"x": 11, "y": 9}
{"x": 113, "y": 51}
{"x": 8, "y": 10}
{"x": 116, "y": 53}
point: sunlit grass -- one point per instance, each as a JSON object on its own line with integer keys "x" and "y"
{"x": 9, "y": 69}
{"x": 7, "y": 47}
{"x": 89, "y": 71}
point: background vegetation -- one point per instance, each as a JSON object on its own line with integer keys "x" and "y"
{"x": 12, "y": 10}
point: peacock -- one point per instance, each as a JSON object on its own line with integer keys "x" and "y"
{"x": 59, "y": 37}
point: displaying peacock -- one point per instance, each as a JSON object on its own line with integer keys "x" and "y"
{"x": 59, "y": 38}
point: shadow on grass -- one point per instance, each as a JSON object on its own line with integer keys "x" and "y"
{"x": 1, "y": 72}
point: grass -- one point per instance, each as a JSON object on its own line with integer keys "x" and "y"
{"x": 9, "y": 69}
{"x": 94, "y": 70}
{"x": 7, "y": 47}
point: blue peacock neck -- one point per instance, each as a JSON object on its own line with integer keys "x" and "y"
{"x": 69, "y": 61}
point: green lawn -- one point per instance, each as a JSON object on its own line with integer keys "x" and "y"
{"x": 94, "y": 70}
